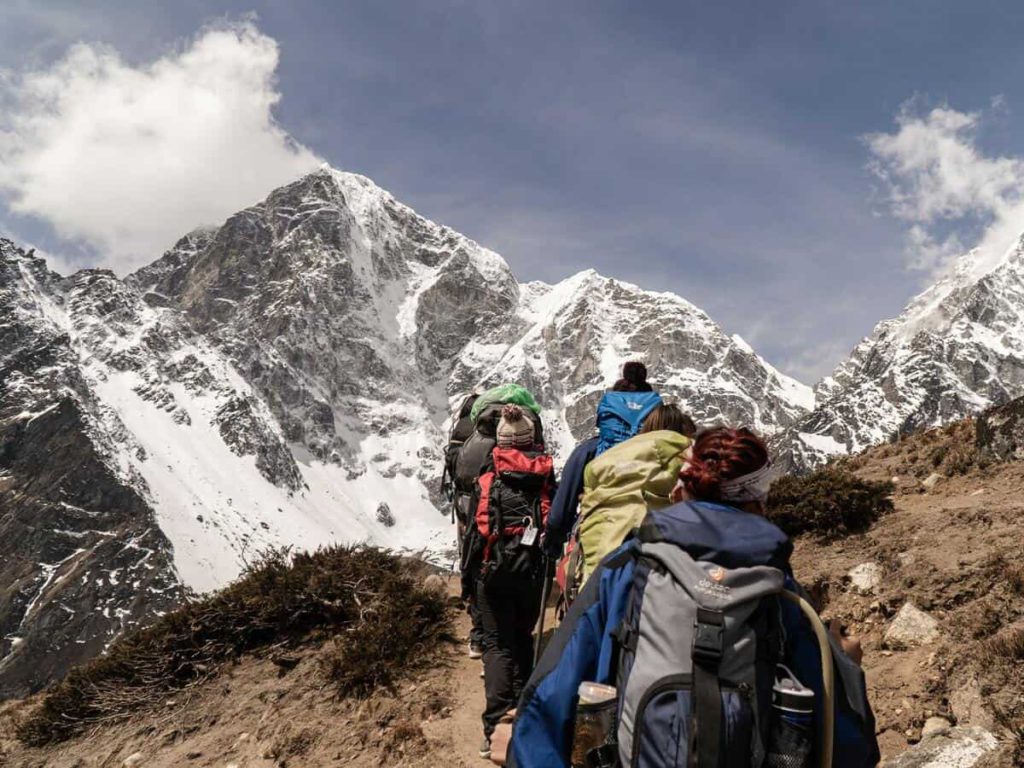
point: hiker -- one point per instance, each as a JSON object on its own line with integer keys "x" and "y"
{"x": 460, "y": 496}
{"x": 513, "y": 500}
{"x": 620, "y": 486}
{"x": 688, "y": 621}
{"x": 669, "y": 416}
{"x": 469, "y": 459}
{"x": 620, "y": 415}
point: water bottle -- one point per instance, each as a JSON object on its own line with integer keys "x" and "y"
{"x": 791, "y": 743}
{"x": 595, "y": 719}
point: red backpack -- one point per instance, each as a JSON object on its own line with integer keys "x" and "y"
{"x": 515, "y": 496}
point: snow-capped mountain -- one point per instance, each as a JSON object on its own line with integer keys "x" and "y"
{"x": 955, "y": 350}
{"x": 285, "y": 380}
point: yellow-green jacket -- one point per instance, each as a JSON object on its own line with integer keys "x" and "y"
{"x": 621, "y": 484}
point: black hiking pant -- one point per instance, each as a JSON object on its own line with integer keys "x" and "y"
{"x": 509, "y": 607}
{"x": 472, "y": 554}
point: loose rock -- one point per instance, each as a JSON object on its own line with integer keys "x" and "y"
{"x": 912, "y": 626}
{"x": 133, "y": 760}
{"x": 932, "y": 480}
{"x": 865, "y": 578}
{"x": 935, "y": 725}
{"x": 967, "y": 705}
{"x": 905, "y": 559}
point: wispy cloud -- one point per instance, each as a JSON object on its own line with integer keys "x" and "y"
{"x": 941, "y": 183}
{"x": 128, "y": 158}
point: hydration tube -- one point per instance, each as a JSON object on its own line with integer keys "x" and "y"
{"x": 828, "y": 720}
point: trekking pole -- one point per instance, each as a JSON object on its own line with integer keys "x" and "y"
{"x": 545, "y": 591}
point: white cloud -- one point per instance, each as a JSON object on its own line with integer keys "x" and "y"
{"x": 129, "y": 158}
{"x": 936, "y": 176}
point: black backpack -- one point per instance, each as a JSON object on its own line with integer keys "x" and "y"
{"x": 474, "y": 454}
{"x": 462, "y": 428}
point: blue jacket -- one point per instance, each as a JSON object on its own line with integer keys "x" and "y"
{"x": 582, "y": 647}
{"x": 566, "y": 503}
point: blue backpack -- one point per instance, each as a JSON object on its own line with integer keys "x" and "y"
{"x": 620, "y": 416}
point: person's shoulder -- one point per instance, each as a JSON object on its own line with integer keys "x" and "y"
{"x": 586, "y": 448}
{"x": 720, "y": 531}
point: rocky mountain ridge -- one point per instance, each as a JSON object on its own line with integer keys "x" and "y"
{"x": 955, "y": 350}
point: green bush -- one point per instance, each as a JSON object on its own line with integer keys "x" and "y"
{"x": 360, "y": 593}
{"x": 829, "y": 503}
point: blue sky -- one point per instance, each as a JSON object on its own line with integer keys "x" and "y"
{"x": 713, "y": 149}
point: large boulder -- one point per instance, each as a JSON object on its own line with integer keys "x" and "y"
{"x": 953, "y": 748}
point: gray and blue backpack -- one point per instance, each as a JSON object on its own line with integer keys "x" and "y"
{"x": 699, "y": 649}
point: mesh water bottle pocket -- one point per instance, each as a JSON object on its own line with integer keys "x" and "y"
{"x": 791, "y": 746}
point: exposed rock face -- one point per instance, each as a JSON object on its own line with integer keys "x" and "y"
{"x": 81, "y": 555}
{"x": 1000, "y": 431}
{"x": 285, "y": 380}
{"x": 956, "y": 349}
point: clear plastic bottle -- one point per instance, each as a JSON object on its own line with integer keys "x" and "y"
{"x": 595, "y": 718}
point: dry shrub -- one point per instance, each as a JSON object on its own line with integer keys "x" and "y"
{"x": 1015, "y": 578}
{"x": 279, "y": 599}
{"x": 403, "y": 736}
{"x": 398, "y": 630}
{"x": 829, "y": 503}
{"x": 1006, "y": 646}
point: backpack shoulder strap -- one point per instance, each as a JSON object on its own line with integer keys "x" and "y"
{"x": 708, "y": 647}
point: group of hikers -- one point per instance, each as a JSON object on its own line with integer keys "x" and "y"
{"x": 684, "y": 637}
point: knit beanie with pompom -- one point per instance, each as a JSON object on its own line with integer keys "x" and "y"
{"x": 515, "y": 429}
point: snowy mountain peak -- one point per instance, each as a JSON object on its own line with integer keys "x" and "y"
{"x": 956, "y": 349}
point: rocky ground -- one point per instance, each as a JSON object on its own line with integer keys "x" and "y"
{"x": 935, "y": 590}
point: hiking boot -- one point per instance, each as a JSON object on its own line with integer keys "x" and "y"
{"x": 485, "y": 748}
{"x": 476, "y": 651}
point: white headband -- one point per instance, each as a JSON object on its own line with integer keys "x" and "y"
{"x": 750, "y": 487}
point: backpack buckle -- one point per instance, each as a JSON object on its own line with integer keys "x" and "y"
{"x": 709, "y": 636}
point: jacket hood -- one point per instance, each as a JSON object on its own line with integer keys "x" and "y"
{"x": 728, "y": 536}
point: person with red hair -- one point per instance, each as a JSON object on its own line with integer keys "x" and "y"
{"x": 718, "y": 522}
{"x": 729, "y": 466}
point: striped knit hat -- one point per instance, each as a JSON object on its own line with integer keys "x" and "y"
{"x": 515, "y": 429}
